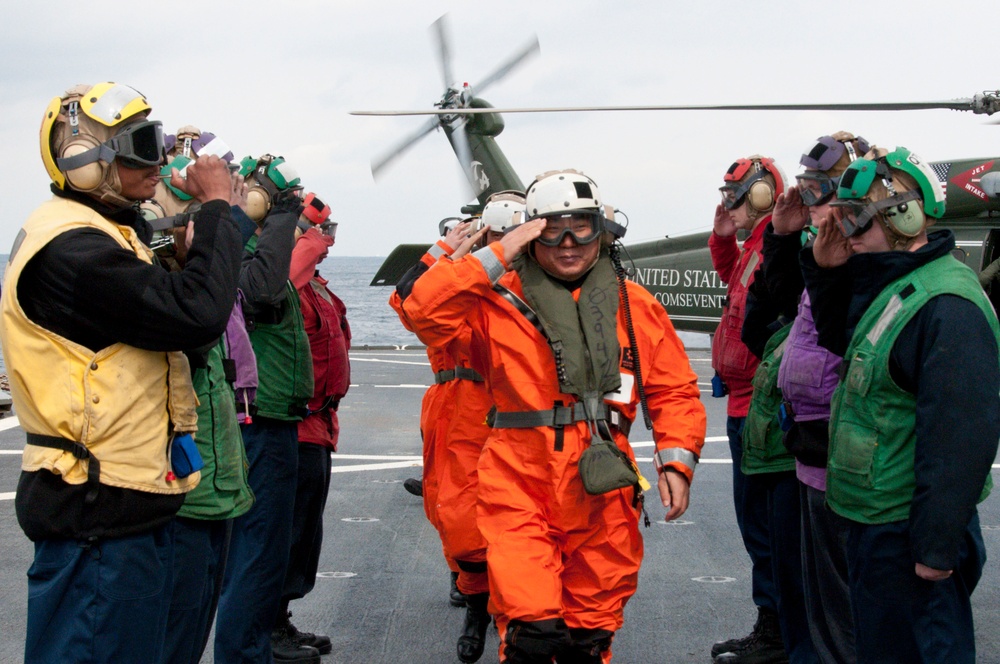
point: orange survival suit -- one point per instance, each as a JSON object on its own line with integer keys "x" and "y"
{"x": 561, "y": 561}
{"x": 453, "y": 429}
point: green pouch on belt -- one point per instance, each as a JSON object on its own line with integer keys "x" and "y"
{"x": 603, "y": 468}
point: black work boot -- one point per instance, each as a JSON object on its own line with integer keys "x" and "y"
{"x": 762, "y": 646}
{"x": 477, "y": 619}
{"x": 284, "y": 649}
{"x": 320, "y": 642}
{"x": 414, "y": 486}
{"x": 455, "y": 597}
{"x": 586, "y": 646}
{"x": 735, "y": 644}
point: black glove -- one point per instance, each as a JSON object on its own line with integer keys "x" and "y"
{"x": 287, "y": 201}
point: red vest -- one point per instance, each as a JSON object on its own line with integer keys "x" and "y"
{"x": 730, "y": 356}
{"x": 329, "y": 340}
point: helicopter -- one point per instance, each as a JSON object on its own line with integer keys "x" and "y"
{"x": 678, "y": 270}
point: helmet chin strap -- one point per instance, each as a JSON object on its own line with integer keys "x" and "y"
{"x": 109, "y": 192}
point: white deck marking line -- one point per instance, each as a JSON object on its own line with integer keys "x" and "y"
{"x": 9, "y": 423}
{"x": 7, "y": 496}
{"x": 366, "y": 359}
{"x": 376, "y": 466}
{"x": 649, "y": 443}
{"x": 418, "y": 352}
{"x": 378, "y": 457}
{"x": 422, "y": 387}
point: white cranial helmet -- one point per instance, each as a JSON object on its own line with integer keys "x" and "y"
{"x": 503, "y": 210}
{"x": 561, "y": 192}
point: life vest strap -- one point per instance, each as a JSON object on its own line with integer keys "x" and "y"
{"x": 560, "y": 416}
{"x": 80, "y": 451}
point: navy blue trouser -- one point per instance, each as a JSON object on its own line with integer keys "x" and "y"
{"x": 750, "y": 501}
{"x": 100, "y": 602}
{"x": 899, "y": 617}
{"x": 312, "y": 488}
{"x": 200, "y": 551}
{"x": 785, "y": 536}
{"x": 258, "y": 550}
{"x": 825, "y": 580}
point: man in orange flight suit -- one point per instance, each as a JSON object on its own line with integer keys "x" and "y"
{"x": 453, "y": 428}
{"x": 564, "y": 559}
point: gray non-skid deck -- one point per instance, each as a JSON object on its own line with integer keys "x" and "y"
{"x": 382, "y": 591}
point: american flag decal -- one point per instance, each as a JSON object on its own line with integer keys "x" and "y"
{"x": 941, "y": 169}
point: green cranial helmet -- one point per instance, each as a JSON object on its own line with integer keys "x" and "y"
{"x": 930, "y": 187}
{"x": 861, "y": 173}
{"x": 905, "y": 213}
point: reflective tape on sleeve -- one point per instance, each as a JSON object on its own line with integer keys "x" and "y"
{"x": 494, "y": 268}
{"x": 686, "y": 457}
{"x": 436, "y": 251}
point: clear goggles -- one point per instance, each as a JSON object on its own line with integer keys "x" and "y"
{"x": 854, "y": 216}
{"x": 582, "y": 226}
{"x": 734, "y": 194}
{"x": 816, "y": 187}
{"x": 140, "y": 144}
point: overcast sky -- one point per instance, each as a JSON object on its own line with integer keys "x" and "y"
{"x": 281, "y": 78}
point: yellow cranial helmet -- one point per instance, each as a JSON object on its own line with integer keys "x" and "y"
{"x": 88, "y": 128}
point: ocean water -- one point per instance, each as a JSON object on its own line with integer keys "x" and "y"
{"x": 373, "y": 322}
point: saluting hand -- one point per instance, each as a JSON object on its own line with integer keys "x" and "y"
{"x": 239, "y": 193}
{"x": 790, "y": 214}
{"x": 831, "y": 248}
{"x": 517, "y": 240}
{"x": 723, "y": 224}
{"x": 469, "y": 242}
{"x": 207, "y": 179}
{"x": 456, "y": 236}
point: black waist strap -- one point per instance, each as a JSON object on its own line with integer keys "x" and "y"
{"x": 78, "y": 450}
{"x": 461, "y": 373}
{"x": 559, "y": 416}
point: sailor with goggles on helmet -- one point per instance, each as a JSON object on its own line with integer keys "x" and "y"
{"x": 909, "y": 459}
{"x": 558, "y": 483}
{"x": 92, "y": 328}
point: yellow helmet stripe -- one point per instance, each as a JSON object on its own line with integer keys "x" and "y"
{"x": 45, "y": 142}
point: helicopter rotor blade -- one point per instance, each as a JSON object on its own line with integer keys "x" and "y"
{"x": 380, "y": 164}
{"x": 440, "y": 30}
{"x": 460, "y": 140}
{"x": 528, "y": 50}
{"x": 967, "y": 104}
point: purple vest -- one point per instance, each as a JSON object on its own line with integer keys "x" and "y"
{"x": 239, "y": 350}
{"x": 808, "y": 373}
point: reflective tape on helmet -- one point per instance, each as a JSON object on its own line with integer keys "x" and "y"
{"x": 216, "y": 146}
{"x": 110, "y": 103}
{"x": 675, "y": 454}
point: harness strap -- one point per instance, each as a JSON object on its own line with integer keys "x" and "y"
{"x": 78, "y": 450}
{"x": 458, "y": 373}
{"x": 521, "y": 306}
{"x": 560, "y": 416}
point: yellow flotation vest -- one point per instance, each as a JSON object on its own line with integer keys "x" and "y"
{"x": 117, "y": 402}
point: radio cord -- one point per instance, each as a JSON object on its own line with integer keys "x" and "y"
{"x": 620, "y": 273}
